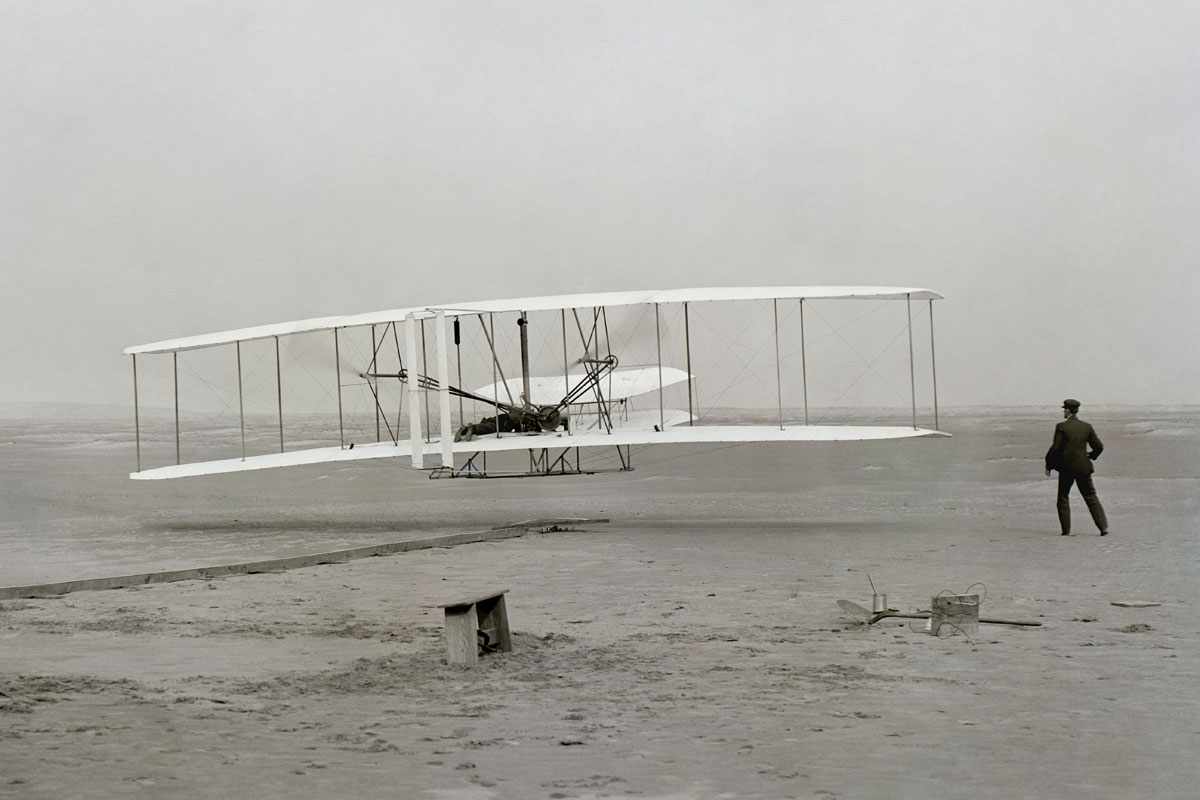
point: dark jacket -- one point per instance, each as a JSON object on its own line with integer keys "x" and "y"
{"x": 1069, "y": 451}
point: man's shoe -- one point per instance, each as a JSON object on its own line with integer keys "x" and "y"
{"x": 1067, "y": 534}
{"x": 1104, "y": 533}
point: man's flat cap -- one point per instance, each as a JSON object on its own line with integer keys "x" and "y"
{"x": 1071, "y": 405}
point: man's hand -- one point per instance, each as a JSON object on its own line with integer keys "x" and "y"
{"x": 1047, "y": 472}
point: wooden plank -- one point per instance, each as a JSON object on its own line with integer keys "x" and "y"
{"x": 462, "y": 641}
{"x": 471, "y": 600}
{"x": 493, "y": 614}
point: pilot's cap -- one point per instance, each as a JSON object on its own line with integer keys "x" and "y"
{"x": 1071, "y": 405}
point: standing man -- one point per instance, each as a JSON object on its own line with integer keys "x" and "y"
{"x": 1069, "y": 455}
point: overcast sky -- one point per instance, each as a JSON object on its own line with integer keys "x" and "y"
{"x": 171, "y": 168}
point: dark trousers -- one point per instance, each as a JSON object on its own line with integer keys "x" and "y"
{"x": 1086, "y": 488}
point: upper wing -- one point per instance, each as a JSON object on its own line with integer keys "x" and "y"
{"x": 545, "y": 303}
{"x": 699, "y": 434}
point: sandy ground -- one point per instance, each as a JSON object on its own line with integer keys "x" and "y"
{"x": 691, "y": 649}
{"x": 668, "y": 662}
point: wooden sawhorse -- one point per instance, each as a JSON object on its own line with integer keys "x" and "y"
{"x": 474, "y": 624}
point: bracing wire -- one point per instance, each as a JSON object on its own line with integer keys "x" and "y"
{"x": 869, "y": 369}
{"x": 746, "y": 363}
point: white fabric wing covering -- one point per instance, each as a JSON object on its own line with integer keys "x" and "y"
{"x": 546, "y": 303}
{"x": 700, "y": 434}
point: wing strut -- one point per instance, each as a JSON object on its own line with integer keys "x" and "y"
{"x": 658, "y": 346}
{"x": 491, "y": 337}
{"x": 562, "y": 312}
{"x": 933, "y": 363}
{"x": 377, "y": 409}
{"x": 175, "y": 372}
{"x": 425, "y": 394}
{"x": 912, "y": 375}
{"x": 137, "y": 426}
{"x": 337, "y": 373}
{"x": 447, "y": 440}
{"x": 778, "y": 367}
{"x": 241, "y": 402}
{"x": 687, "y": 350}
{"x": 278, "y": 393}
{"x": 400, "y": 361}
{"x": 803, "y": 362}
{"x": 414, "y": 401}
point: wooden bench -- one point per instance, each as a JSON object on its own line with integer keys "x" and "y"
{"x": 474, "y": 624}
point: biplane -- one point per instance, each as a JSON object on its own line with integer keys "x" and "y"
{"x": 592, "y": 399}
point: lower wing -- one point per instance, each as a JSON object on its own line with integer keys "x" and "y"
{"x": 698, "y": 434}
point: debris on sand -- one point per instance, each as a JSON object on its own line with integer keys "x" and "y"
{"x": 11, "y": 705}
{"x": 1135, "y": 603}
{"x": 861, "y": 615}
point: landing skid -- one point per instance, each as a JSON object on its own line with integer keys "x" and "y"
{"x": 542, "y": 464}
